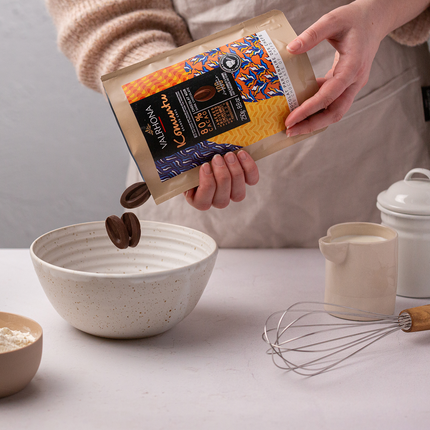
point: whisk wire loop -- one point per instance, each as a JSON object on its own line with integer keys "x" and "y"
{"x": 291, "y": 342}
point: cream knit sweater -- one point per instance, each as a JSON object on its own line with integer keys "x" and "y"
{"x": 100, "y": 36}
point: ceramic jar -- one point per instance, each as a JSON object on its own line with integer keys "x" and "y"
{"x": 405, "y": 207}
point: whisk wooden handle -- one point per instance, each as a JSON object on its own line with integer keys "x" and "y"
{"x": 420, "y": 318}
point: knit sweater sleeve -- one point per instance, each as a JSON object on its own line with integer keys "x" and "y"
{"x": 414, "y": 32}
{"x": 100, "y": 36}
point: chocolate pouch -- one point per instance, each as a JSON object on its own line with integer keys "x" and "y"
{"x": 229, "y": 91}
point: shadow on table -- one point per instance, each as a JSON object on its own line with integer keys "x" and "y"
{"x": 205, "y": 325}
{"x": 39, "y": 389}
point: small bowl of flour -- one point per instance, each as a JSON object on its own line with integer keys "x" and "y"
{"x": 14, "y": 339}
{"x": 21, "y": 341}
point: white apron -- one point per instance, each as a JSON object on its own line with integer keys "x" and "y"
{"x": 329, "y": 178}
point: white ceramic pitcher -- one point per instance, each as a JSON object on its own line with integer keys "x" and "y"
{"x": 361, "y": 266}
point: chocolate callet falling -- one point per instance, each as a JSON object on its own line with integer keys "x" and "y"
{"x": 132, "y": 224}
{"x": 124, "y": 231}
{"x": 117, "y": 231}
{"x": 135, "y": 195}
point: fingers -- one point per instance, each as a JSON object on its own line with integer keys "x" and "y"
{"x": 201, "y": 197}
{"x": 238, "y": 190}
{"x": 249, "y": 167}
{"x": 223, "y": 180}
{"x": 330, "y": 73}
{"x": 221, "y": 198}
{"x": 349, "y": 73}
{"x": 337, "y": 91}
{"x": 232, "y": 173}
{"x": 324, "y": 118}
{"x": 343, "y": 29}
{"x": 327, "y": 27}
{"x": 329, "y": 91}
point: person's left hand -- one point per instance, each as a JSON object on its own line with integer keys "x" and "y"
{"x": 223, "y": 180}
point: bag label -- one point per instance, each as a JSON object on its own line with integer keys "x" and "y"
{"x": 190, "y": 112}
{"x": 213, "y": 103}
{"x": 280, "y": 68}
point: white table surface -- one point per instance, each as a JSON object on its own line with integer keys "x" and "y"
{"x": 211, "y": 371}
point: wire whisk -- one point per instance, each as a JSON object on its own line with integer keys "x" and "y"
{"x": 310, "y": 338}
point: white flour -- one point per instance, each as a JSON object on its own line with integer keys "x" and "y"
{"x": 14, "y": 339}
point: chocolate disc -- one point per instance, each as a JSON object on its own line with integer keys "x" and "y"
{"x": 117, "y": 231}
{"x": 132, "y": 224}
{"x": 135, "y": 195}
{"x": 205, "y": 93}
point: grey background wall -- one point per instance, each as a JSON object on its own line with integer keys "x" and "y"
{"x": 62, "y": 157}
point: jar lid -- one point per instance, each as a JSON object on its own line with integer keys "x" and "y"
{"x": 410, "y": 196}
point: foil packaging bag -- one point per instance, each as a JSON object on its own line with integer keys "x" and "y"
{"x": 229, "y": 91}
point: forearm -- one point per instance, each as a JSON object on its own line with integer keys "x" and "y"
{"x": 100, "y": 36}
{"x": 407, "y": 21}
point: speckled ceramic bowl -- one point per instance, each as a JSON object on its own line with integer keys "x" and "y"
{"x": 18, "y": 367}
{"x": 131, "y": 293}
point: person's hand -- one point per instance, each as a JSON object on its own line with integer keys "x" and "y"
{"x": 355, "y": 34}
{"x": 224, "y": 179}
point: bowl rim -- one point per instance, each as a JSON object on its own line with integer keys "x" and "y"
{"x": 122, "y": 275}
{"x": 37, "y": 339}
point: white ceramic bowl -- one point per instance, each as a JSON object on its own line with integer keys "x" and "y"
{"x": 18, "y": 367}
{"x": 131, "y": 293}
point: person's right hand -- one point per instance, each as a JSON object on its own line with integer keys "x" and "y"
{"x": 223, "y": 180}
{"x": 354, "y": 31}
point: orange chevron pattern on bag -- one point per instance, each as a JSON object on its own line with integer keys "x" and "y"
{"x": 256, "y": 68}
{"x": 267, "y": 119}
{"x": 157, "y": 81}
